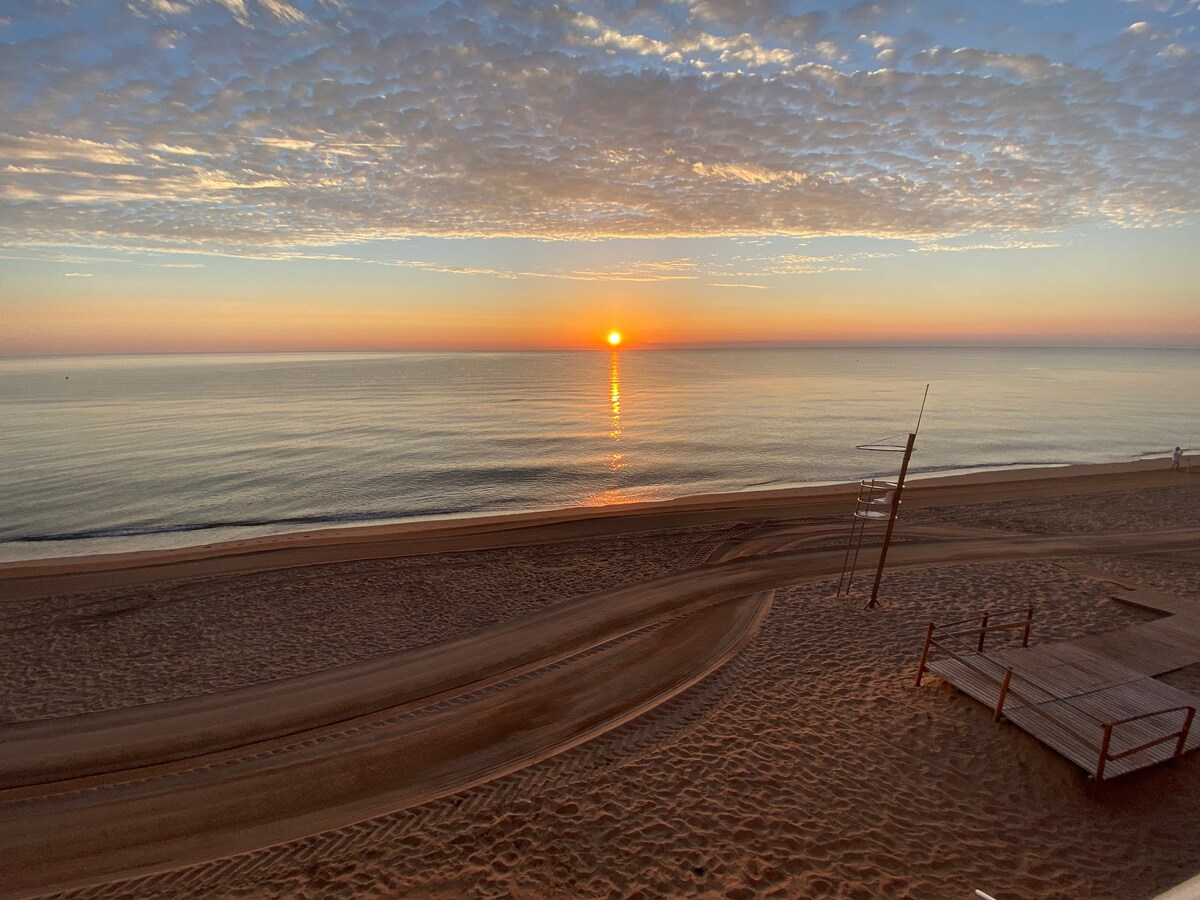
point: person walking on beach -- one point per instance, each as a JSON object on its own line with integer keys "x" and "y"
{"x": 1175, "y": 458}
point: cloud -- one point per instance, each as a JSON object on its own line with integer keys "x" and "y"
{"x": 1014, "y": 244}
{"x": 807, "y": 264}
{"x": 244, "y": 15}
{"x": 1027, "y": 66}
{"x": 1159, "y": 5}
{"x": 768, "y": 16}
{"x": 867, "y": 12}
{"x": 878, "y": 41}
{"x": 747, "y": 174}
{"x": 1148, "y": 31}
{"x": 265, "y": 127}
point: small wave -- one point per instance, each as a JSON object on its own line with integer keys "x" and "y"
{"x": 1161, "y": 454}
{"x": 181, "y": 528}
{"x": 989, "y": 466}
{"x": 918, "y": 470}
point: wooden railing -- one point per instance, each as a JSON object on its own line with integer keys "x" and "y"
{"x": 1180, "y": 737}
{"x": 986, "y": 626}
{"x": 939, "y": 637}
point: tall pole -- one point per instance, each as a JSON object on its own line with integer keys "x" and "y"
{"x": 887, "y": 535}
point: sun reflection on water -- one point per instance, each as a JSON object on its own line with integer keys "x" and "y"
{"x": 616, "y": 459}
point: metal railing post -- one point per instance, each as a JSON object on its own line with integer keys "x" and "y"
{"x": 1183, "y": 735}
{"x": 1103, "y": 752}
{"x": 925, "y": 653}
{"x": 1003, "y": 695}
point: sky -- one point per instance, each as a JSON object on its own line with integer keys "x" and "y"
{"x": 223, "y": 175}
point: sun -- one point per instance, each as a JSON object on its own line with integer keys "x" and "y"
{"x": 614, "y": 338}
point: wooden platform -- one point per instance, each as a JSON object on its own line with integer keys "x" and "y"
{"x": 1065, "y": 693}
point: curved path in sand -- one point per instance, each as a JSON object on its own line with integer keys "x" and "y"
{"x": 149, "y": 788}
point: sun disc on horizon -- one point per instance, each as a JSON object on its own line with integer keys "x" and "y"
{"x": 614, "y": 338}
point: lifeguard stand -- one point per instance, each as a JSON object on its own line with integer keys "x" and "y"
{"x": 878, "y": 503}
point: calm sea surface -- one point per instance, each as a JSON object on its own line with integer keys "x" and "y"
{"x": 110, "y": 453}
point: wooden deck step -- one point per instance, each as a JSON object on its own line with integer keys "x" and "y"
{"x": 1086, "y": 571}
{"x": 1157, "y": 600}
{"x": 1151, "y": 648}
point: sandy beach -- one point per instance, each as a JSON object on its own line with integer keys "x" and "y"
{"x": 653, "y": 700}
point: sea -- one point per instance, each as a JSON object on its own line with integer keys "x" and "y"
{"x": 112, "y": 453}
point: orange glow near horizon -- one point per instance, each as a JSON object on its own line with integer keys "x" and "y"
{"x": 140, "y": 325}
{"x": 245, "y": 311}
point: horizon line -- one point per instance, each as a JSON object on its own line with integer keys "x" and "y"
{"x": 647, "y": 346}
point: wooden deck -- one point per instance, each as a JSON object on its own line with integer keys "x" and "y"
{"x": 1069, "y": 694}
{"x": 1073, "y": 724}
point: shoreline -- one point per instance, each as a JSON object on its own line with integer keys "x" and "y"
{"x": 24, "y": 578}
